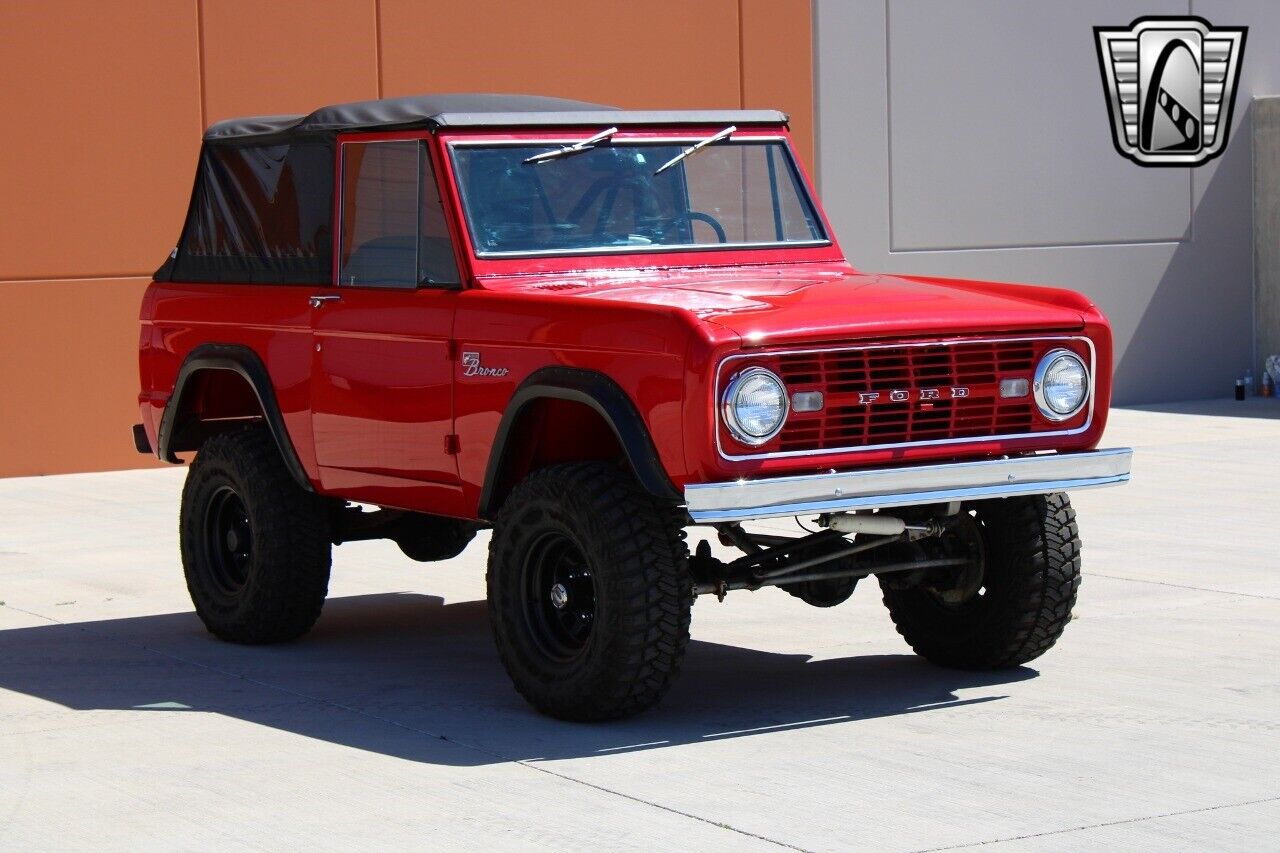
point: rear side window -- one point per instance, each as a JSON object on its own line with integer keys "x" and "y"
{"x": 259, "y": 213}
{"x": 393, "y": 231}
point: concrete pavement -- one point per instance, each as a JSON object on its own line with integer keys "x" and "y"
{"x": 1154, "y": 724}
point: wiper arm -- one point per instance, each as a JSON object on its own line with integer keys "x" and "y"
{"x": 724, "y": 134}
{"x": 575, "y": 148}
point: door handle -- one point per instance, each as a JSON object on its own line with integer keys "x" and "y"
{"x": 319, "y": 301}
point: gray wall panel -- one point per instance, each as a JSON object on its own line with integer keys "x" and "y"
{"x": 986, "y": 100}
{"x": 1180, "y": 299}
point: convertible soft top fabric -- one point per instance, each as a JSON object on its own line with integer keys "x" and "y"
{"x": 263, "y": 197}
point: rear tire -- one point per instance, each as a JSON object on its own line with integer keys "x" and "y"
{"x": 1030, "y": 551}
{"x": 255, "y": 546}
{"x": 589, "y": 592}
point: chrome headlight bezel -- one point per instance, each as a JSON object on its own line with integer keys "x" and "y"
{"x": 1042, "y": 369}
{"x": 728, "y": 407}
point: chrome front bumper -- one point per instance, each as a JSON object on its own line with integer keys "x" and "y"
{"x": 878, "y": 488}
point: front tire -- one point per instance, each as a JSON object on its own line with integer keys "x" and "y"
{"x": 255, "y": 546}
{"x": 589, "y": 592}
{"x": 1016, "y": 608}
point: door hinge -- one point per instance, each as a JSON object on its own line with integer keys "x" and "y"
{"x": 451, "y": 350}
{"x": 452, "y": 445}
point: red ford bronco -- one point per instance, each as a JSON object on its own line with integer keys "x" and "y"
{"x": 586, "y": 329}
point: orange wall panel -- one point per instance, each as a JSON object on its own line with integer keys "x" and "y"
{"x": 102, "y": 100}
{"x": 777, "y": 64}
{"x": 110, "y": 96}
{"x": 70, "y": 378}
{"x": 287, "y": 56}
{"x": 660, "y": 53}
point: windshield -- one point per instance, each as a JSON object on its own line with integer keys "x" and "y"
{"x": 524, "y": 200}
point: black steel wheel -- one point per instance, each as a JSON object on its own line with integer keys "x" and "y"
{"x": 255, "y": 545}
{"x": 559, "y": 597}
{"x": 228, "y": 541}
{"x": 1011, "y": 600}
{"x": 589, "y": 592}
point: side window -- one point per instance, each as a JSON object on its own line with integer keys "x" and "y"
{"x": 436, "y": 261}
{"x": 394, "y": 232}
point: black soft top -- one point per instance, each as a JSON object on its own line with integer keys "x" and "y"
{"x": 481, "y": 110}
{"x": 263, "y": 197}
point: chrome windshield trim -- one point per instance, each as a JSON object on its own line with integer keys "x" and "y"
{"x": 626, "y": 139}
{"x": 881, "y": 488}
{"x": 657, "y": 249}
{"x": 781, "y": 454}
{"x": 623, "y": 139}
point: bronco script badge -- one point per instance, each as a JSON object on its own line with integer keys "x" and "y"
{"x": 1170, "y": 85}
{"x": 471, "y": 366}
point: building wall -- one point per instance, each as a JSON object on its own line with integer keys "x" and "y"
{"x": 1266, "y": 228}
{"x": 972, "y": 140}
{"x": 106, "y": 99}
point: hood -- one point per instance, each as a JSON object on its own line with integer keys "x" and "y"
{"x": 767, "y": 306}
{"x": 864, "y": 306}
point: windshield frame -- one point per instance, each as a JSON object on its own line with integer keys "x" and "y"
{"x": 723, "y": 254}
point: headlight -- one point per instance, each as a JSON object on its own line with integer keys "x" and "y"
{"x": 1061, "y": 384}
{"x": 755, "y": 406}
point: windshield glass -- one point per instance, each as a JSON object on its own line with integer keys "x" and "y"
{"x": 607, "y": 198}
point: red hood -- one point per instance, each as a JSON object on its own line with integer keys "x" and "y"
{"x": 777, "y": 305}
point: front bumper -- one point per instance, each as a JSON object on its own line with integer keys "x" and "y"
{"x": 878, "y": 488}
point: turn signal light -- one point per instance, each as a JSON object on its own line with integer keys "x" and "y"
{"x": 1014, "y": 388}
{"x": 807, "y": 401}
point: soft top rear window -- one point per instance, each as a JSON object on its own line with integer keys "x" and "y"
{"x": 259, "y": 213}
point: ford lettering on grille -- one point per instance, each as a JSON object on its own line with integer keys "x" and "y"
{"x": 902, "y": 395}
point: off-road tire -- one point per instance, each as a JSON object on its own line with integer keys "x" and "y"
{"x": 281, "y": 582}
{"x": 1032, "y": 574}
{"x": 634, "y": 548}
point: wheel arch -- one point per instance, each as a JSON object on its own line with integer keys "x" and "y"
{"x": 511, "y": 455}
{"x": 239, "y": 372}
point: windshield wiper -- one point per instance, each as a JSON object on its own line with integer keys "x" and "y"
{"x": 724, "y": 134}
{"x": 575, "y": 148}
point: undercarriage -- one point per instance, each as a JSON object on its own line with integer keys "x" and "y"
{"x": 933, "y": 546}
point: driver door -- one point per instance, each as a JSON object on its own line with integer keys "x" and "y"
{"x": 382, "y": 374}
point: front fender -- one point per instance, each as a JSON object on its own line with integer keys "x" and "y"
{"x": 608, "y": 400}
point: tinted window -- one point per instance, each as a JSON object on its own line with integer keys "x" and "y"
{"x": 259, "y": 213}
{"x": 394, "y": 232}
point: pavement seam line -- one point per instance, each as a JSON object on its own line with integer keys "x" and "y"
{"x": 1100, "y": 825}
{"x": 1185, "y": 586}
{"x": 764, "y": 838}
{"x": 526, "y": 763}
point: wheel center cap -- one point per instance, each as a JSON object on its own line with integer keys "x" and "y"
{"x": 559, "y": 596}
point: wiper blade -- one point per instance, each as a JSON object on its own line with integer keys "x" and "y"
{"x": 575, "y": 148}
{"x": 724, "y": 134}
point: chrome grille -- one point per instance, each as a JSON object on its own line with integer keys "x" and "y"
{"x": 848, "y": 420}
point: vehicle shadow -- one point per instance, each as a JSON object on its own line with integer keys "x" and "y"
{"x": 407, "y": 676}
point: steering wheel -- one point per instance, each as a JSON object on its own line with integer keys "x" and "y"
{"x": 692, "y": 216}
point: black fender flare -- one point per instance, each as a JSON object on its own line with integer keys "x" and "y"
{"x": 608, "y": 400}
{"x": 245, "y": 362}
